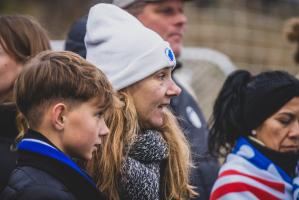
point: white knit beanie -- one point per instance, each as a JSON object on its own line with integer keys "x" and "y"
{"x": 125, "y": 3}
{"x": 125, "y": 50}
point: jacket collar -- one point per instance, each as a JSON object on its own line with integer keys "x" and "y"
{"x": 246, "y": 150}
{"x": 36, "y": 151}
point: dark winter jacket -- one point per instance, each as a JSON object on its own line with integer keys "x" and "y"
{"x": 45, "y": 173}
{"x": 196, "y": 130}
{"x": 8, "y": 132}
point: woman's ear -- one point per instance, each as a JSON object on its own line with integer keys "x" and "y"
{"x": 58, "y": 116}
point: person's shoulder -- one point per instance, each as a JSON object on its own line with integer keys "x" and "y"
{"x": 31, "y": 183}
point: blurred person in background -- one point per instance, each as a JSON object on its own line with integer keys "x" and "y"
{"x": 146, "y": 155}
{"x": 20, "y": 38}
{"x": 167, "y": 18}
{"x": 255, "y": 123}
{"x": 291, "y": 32}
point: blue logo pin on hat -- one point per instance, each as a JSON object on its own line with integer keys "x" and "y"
{"x": 169, "y": 53}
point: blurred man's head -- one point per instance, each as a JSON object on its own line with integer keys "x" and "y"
{"x": 166, "y": 17}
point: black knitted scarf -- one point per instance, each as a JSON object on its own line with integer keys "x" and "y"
{"x": 140, "y": 176}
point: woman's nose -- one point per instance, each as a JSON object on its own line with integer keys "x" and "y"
{"x": 294, "y": 133}
{"x": 174, "y": 89}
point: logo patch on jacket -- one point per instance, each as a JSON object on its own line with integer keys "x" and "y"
{"x": 193, "y": 117}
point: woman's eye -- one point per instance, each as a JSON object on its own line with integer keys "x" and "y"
{"x": 285, "y": 121}
{"x": 99, "y": 114}
{"x": 162, "y": 76}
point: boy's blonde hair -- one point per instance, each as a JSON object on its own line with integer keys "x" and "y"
{"x": 59, "y": 76}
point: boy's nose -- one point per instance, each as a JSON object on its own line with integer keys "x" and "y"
{"x": 104, "y": 129}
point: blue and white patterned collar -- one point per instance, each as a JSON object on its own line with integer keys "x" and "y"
{"x": 246, "y": 150}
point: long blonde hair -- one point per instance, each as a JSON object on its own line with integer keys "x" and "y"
{"x": 105, "y": 167}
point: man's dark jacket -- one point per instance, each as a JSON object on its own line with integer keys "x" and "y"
{"x": 196, "y": 130}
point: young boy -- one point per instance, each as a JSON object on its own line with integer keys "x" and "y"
{"x": 62, "y": 98}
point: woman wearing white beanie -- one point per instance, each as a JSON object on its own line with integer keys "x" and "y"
{"x": 146, "y": 155}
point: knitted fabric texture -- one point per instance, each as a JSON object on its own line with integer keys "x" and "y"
{"x": 124, "y": 49}
{"x": 125, "y": 3}
{"x": 140, "y": 178}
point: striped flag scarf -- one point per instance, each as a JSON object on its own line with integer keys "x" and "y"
{"x": 248, "y": 174}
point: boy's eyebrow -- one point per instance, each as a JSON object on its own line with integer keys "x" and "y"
{"x": 102, "y": 106}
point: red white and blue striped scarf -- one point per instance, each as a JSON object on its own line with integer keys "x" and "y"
{"x": 248, "y": 174}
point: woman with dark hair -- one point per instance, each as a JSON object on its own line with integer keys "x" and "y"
{"x": 20, "y": 38}
{"x": 255, "y": 121}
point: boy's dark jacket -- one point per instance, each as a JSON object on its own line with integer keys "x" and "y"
{"x": 40, "y": 177}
